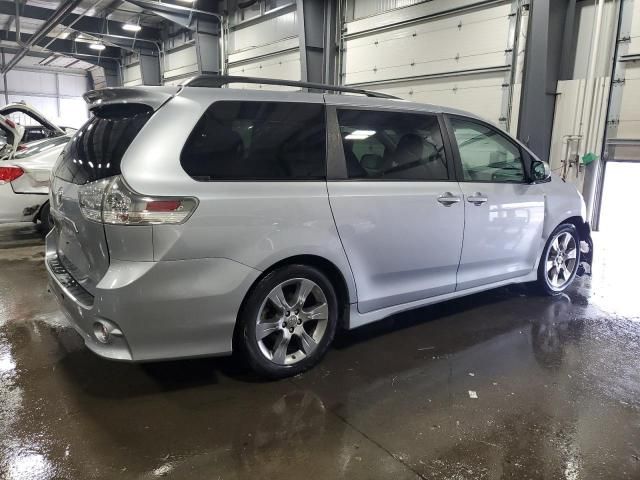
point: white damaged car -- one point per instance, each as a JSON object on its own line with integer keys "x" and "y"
{"x": 24, "y": 182}
{"x": 29, "y": 146}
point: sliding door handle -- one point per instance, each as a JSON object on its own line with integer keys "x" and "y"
{"x": 477, "y": 199}
{"x": 447, "y": 199}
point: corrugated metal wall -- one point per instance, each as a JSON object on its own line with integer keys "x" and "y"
{"x": 449, "y": 52}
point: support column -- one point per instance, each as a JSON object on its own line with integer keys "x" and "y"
{"x": 4, "y": 78}
{"x": 316, "y": 20}
{"x": 207, "y": 37}
{"x": 541, "y": 73}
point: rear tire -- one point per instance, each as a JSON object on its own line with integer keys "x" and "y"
{"x": 46, "y": 222}
{"x": 560, "y": 260}
{"x": 288, "y": 321}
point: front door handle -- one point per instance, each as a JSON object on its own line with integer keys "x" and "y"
{"x": 477, "y": 199}
{"x": 447, "y": 199}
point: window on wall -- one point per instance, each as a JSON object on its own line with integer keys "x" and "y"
{"x": 392, "y": 145}
{"x": 237, "y": 140}
{"x": 486, "y": 154}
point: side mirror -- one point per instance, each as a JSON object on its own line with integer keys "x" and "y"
{"x": 540, "y": 171}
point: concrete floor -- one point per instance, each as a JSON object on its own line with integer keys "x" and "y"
{"x": 557, "y": 380}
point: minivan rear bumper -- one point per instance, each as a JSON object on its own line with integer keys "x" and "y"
{"x": 159, "y": 310}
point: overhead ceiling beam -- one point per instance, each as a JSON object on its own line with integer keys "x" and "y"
{"x": 41, "y": 32}
{"x": 70, "y": 48}
{"x": 178, "y": 14}
{"x": 87, "y": 24}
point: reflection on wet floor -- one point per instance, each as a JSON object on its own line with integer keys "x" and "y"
{"x": 557, "y": 381}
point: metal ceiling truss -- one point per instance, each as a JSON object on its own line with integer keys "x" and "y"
{"x": 184, "y": 16}
{"x": 86, "y": 24}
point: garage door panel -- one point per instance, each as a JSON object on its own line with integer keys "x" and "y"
{"x": 465, "y": 31}
{"x": 629, "y": 118}
{"x": 436, "y": 66}
{"x": 181, "y": 62}
{"x": 285, "y": 66}
{"x": 478, "y": 93}
{"x": 452, "y": 44}
{"x": 132, "y": 75}
{"x": 634, "y": 33}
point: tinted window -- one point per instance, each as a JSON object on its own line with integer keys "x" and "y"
{"x": 486, "y": 154}
{"x": 392, "y": 145}
{"x": 257, "y": 141}
{"x": 32, "y": 134}
{"x": 96, "y": 150}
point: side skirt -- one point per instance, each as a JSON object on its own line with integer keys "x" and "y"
{"x": 357, "y": 319}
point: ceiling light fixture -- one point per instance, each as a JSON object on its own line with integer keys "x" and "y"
{"x": 360, "y": 134}
{"x": 97, "y": 46}
{"x": 131, "y": 27}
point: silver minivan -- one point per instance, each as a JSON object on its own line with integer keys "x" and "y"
{"x": 198, "y": 220}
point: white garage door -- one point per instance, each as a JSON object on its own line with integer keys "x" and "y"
{"x": 628, "y": 126}
{"x": 267, "y": 47}
{"x": 457, "y": 53}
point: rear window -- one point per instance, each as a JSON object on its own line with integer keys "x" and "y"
{"x": 96, "y": 150}
{"x": 236, "y": 140}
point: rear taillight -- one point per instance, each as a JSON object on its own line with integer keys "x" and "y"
{"x": 21, "y": 148}
{"x": 9, "y": 174}
{"x": 111, "y": 201}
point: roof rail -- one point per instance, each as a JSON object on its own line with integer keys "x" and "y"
{"x": 217, "y": 81}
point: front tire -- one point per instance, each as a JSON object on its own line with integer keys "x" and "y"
{"x": 288, "y": 321}
{"x": 560, "y": 260}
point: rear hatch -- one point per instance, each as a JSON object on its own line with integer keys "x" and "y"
{"x": 93, "y": 156}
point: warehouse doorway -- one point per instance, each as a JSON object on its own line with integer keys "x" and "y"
{"x": 621, "y": 182}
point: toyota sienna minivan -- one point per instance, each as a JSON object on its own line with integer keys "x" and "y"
{"x": 198, "y": 220}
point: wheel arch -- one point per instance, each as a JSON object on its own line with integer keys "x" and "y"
{"x": 333, "y": 273}
{"x": 39, "y": 214}
{"x": 584, "y": 230}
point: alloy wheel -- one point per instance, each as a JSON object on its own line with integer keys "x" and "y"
{"x": 561, "y": 261}
{"x": 292, "y": 321}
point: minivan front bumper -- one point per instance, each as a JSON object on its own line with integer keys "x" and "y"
{"x": 155, "y": 310}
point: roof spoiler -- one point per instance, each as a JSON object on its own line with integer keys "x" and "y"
{"x": 153, "y": 97}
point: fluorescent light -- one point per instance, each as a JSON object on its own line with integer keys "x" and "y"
{"x": 360, "y": 134}
{"x": 131, "y": 27}
{"x": 97, "y": 46}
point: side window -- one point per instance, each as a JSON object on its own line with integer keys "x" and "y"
{"x": 236, "y": 140}
{"x": 486, "y": 154}
{"x": 392, "y": 145}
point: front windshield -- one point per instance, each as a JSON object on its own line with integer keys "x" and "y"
{"x": 40, "y": 146}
